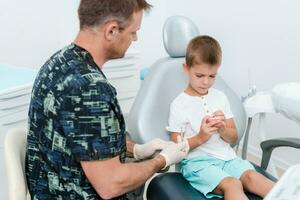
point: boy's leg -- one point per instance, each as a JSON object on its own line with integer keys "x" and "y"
{"x": 206, "y": 174}
{"x": 256, "y": 183}
{"x": 252, "y": 181}
{"x": 231, "y": 188}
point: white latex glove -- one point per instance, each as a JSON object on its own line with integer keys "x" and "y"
{"x": 142, "y": 151}
{"x": 175, "y": 152}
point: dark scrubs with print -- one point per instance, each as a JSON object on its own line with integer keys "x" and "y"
{"x": 74, "y": 116}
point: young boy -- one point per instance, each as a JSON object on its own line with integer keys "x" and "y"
{"x": 203, "y": 114}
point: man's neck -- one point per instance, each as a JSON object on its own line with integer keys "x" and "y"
{"x": 89, "y": 41}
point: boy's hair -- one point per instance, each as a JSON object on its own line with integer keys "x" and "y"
{"x": 203, "y": 50}
{"x": 94, "y": 13}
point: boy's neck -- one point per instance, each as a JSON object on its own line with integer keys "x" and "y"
{"x": 190, "y": 91}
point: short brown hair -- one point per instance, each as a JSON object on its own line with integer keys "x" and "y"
{"x": 203, "y": 50}
{"x": 94, "y": 13}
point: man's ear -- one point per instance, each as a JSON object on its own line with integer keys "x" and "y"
{"x": 111, "y": 30}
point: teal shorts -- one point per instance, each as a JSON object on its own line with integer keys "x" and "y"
{"x": 205, "y": 173}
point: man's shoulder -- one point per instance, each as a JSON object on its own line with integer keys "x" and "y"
{"x": 70, "y": 71}
{"x": 76, "y": 67}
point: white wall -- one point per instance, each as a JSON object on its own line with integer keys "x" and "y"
{"x": 32, "y": 30}
{"x": 260, "y": 41}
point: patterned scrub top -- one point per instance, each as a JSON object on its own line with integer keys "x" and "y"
{"x": 74, "y": 116}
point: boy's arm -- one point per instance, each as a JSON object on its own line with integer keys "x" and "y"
{"x": 229, "y": 132}
{"x": 194, "y": 141}
{"x": 207, "y": 129}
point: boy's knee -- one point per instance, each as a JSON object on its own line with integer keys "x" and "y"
{"x": 230, "y": 183}
{"x": 249, "y": 177}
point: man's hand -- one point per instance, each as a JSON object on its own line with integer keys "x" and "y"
{"x": 143, "y": 151}
{"x": 175, "y": 152}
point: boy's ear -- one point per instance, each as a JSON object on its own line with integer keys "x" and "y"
{"x": 185, "y": 67}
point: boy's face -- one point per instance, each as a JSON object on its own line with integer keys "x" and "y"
{"x": 201, "y": 77}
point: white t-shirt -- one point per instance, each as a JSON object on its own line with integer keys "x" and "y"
{"x": 186, "y": 113}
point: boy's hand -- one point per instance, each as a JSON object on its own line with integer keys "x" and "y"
{"x": 219, "y": 118}
{"x": 207, "y": 128}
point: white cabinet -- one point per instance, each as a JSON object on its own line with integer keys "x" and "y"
{"x": 122, "y": 73}
{"x": 15, "y": 89}
{"x": 13, "y": 113}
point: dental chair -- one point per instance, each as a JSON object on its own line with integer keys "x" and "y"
{"x": 149, "y": 114}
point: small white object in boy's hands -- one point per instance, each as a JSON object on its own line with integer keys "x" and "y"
{"x": 186, "y": 129}
{"x": 186, "y": 146}
{"x": 183, "y": 130}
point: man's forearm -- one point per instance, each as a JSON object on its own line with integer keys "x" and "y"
{"x": 131, "y": 175}
{"x": 135, "y": 174}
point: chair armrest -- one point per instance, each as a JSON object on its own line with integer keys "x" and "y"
{"x": 268, "y": 146}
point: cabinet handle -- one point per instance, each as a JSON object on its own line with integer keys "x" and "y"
{"x": 119, "y": 77}
{"x": 15, "y": 111}
{"x": 11, "y": 123}
{"x": 125, "y": 98}
{"x": 16, "y": 91}
{"x": 127, "y": 95}
{"x": 14, "y": 107}
{"x": 12, "y": 96}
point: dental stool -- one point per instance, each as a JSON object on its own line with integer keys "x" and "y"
{"x": 149, "y": 114}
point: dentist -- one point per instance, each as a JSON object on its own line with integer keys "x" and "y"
{"x": 76, "y": 144}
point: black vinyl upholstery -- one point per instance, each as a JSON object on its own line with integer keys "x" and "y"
{"x": 173, "y": 186}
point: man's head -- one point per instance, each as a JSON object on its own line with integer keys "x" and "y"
{"x": 115, "y": 21}
{"x": 203, "y": 58}
{"x": 94, "y": 13}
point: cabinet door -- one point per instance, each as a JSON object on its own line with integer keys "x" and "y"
{"x": 3, "y": 178}
{"x": 13, "y": 103}
{"x": 3, "y": 182}
{"x": 124, "y": 81}
{"x": 15, "y": 92}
